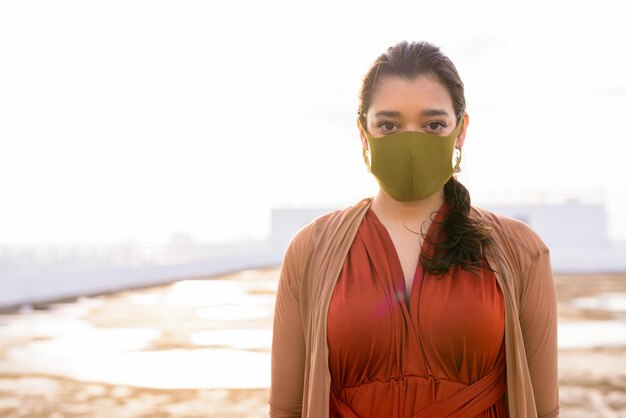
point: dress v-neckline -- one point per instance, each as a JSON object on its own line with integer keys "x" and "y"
{"x": 409, "y": 306}
{"x": 419, "y": 273}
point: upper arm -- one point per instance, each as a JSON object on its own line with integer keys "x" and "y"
{"x": 538, "y": 319}
{"x": 288, "y": 348}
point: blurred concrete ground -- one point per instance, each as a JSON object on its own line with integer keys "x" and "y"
{"x": 200, "y": 348}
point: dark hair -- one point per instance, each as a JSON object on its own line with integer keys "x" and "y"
{"x": 466, "y": 238}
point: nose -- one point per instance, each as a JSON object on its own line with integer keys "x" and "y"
{"x": 413, "y": 126}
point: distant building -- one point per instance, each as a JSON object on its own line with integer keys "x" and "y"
{"x": 576, "y": 234}
{"x": 570, "y": 225}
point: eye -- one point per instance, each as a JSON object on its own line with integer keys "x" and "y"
{"x": 435, "y": 126}
{"x": 387, "y": 126}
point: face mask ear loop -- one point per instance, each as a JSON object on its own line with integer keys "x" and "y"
{"x": 367, "y": 161}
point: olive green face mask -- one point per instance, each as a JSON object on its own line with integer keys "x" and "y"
{"x": 411, "y": 165}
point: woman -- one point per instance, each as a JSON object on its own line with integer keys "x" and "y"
{"x": 413, "y": 303}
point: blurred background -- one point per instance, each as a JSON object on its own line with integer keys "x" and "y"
{"x": 156, "y": 157}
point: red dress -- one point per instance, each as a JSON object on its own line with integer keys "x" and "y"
{"x": 441, "y": 355}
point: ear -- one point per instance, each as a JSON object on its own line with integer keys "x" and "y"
{"x": 361, "y": 134}
{"x": 460, "y": 139}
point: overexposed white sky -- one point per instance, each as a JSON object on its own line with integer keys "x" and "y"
{"x": 137, "y": 119}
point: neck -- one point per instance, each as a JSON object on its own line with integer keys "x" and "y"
{"x": 412, "y": 213}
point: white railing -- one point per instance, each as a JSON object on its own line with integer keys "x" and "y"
{"x": 37, "y": 259}
{"x": 44, "y": 274}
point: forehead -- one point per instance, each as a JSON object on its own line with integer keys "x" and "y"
{"x": 409, "y": 96}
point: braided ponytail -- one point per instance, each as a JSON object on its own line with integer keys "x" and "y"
{"x": 465, "y": 238}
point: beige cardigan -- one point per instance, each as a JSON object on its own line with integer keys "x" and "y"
{"x": 312, "y": 263}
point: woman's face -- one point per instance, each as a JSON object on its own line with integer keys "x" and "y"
{"x": 422, "y": 104}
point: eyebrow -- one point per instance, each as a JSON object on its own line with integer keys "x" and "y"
{"x": 435, "y": 112}
{"x": 388, "y": 113}
{"x": 425, "y": 112}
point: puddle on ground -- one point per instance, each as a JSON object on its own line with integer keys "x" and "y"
{"x": 169, "y": 369}
{"x": 234, "y": 313}
{"x": 204, "y": 293}
{"x": 219, "y": 292}
{"x": 251, "y": 339}
{"x": 60, "y": 342}
{"x": 599, "y": 333}
{"x": 612, "y": 302}
{"x": 588, "y": 334}
{"x": 144, "y": 299}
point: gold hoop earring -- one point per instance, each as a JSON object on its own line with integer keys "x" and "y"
{"x": 457, "y": 165}
{"x": 367, "y": 161}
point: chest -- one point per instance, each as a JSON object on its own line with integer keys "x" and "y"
{"x": 407, "y": 246}
{"x": 453, "y": 325}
